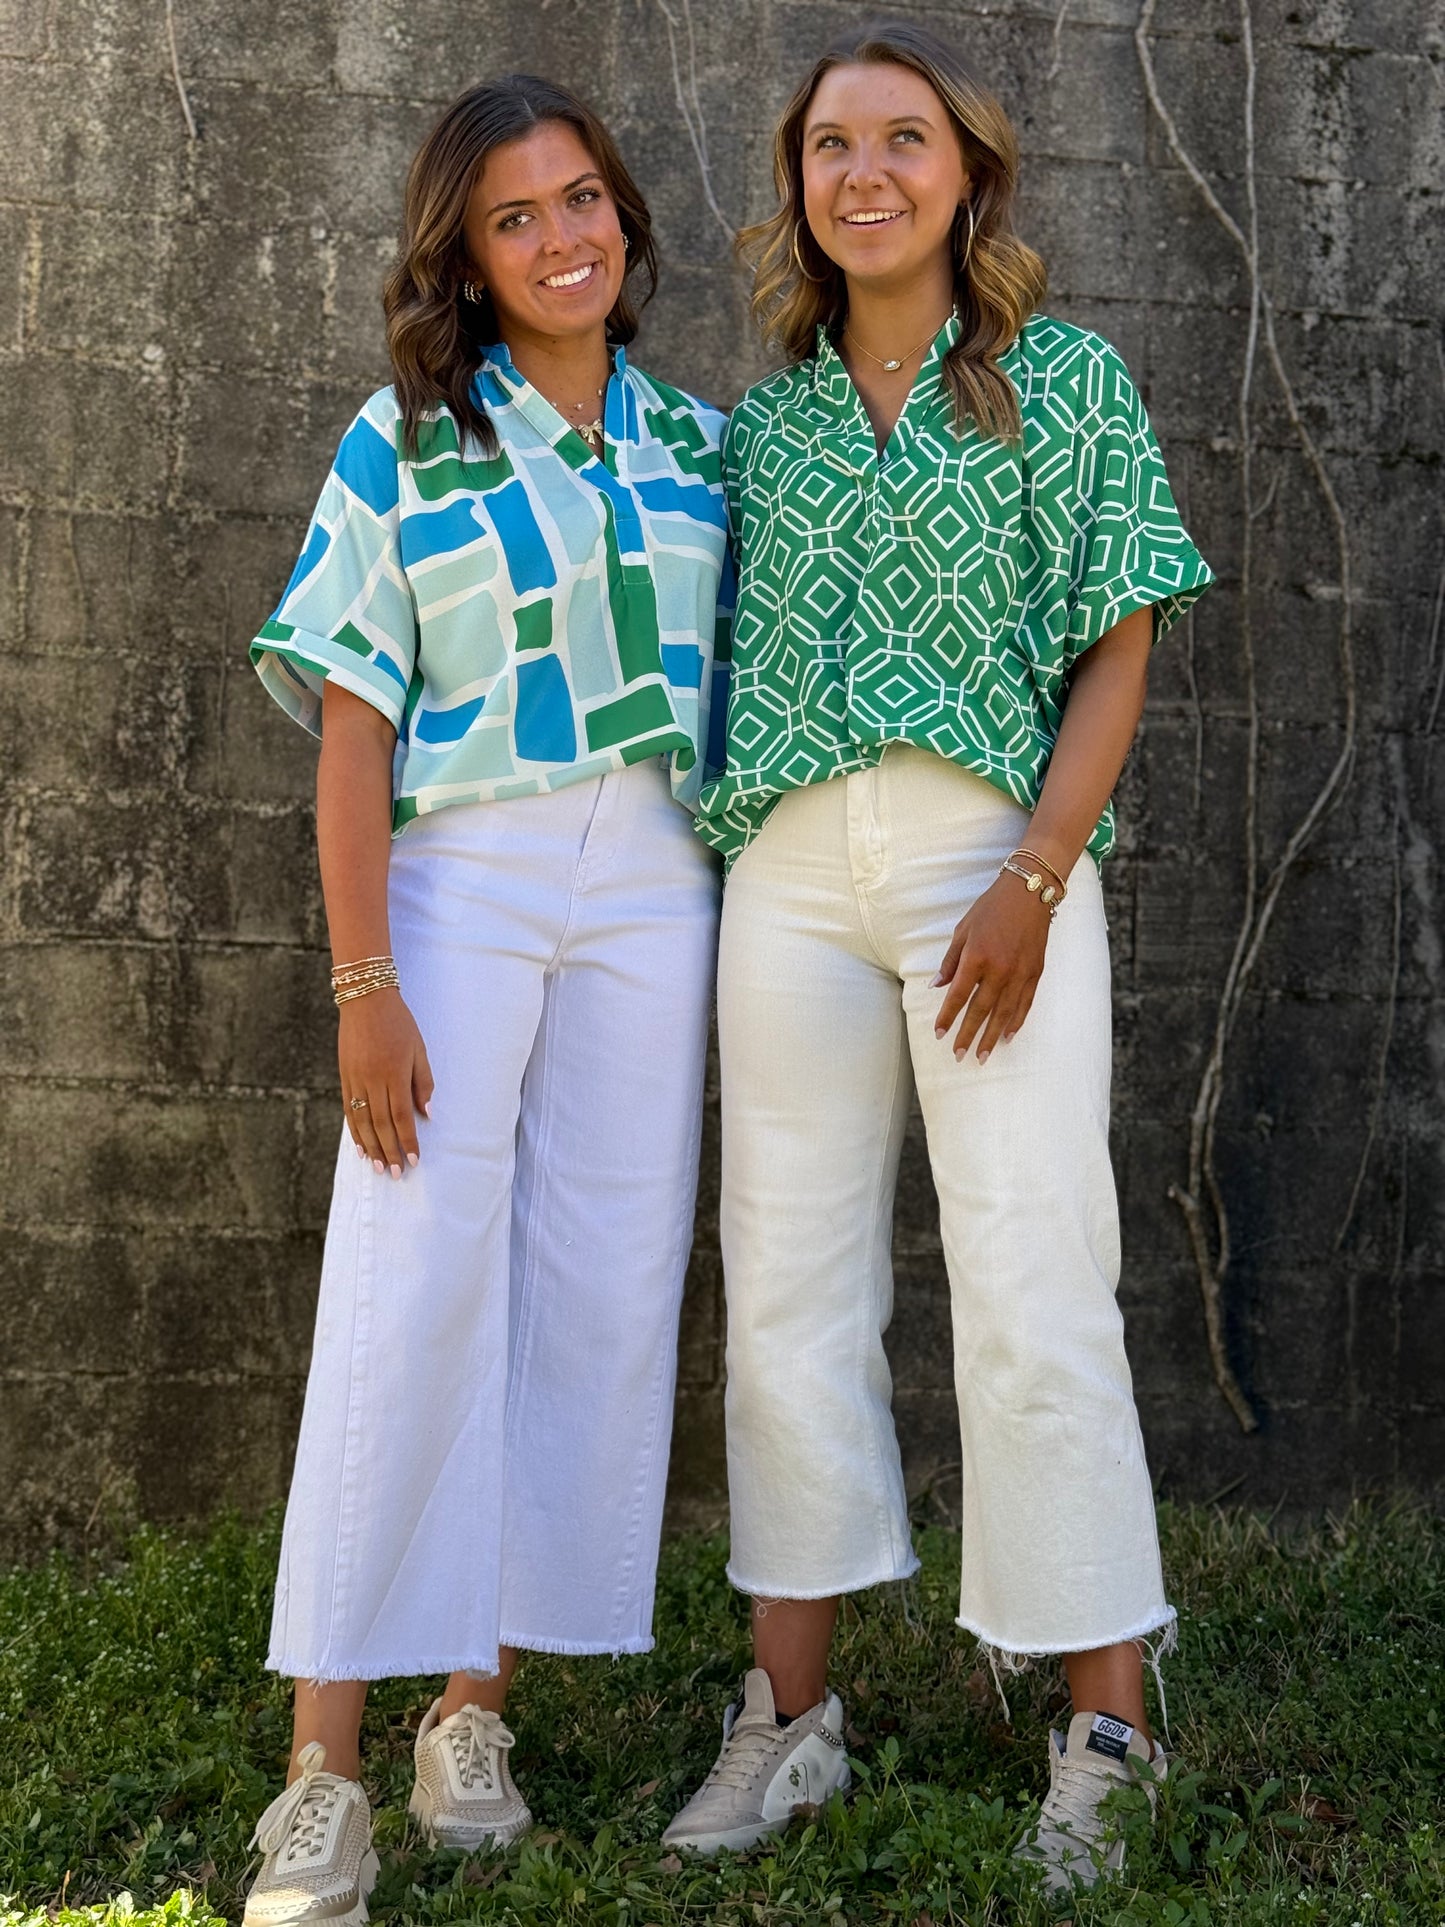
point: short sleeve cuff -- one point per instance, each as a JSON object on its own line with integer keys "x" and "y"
{"x": 1103, "y": 605}
{"x": 296, "y": 664}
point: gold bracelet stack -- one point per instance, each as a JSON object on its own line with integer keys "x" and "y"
{"x": 360, "y": 979}
{"x": 1051, "y": 895}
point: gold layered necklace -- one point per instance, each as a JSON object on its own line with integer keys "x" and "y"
{"x": 591, "y": 432}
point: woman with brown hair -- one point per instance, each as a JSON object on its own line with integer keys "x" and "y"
{"x": 503, "y": 628}
{"x": 956, "y": 546}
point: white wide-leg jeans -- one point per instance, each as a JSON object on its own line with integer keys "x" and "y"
{"x": 835, "y": 922}
{"x": 484, "y": 1445}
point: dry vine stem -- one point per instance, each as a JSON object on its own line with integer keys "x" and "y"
{"x": 689, "y": 103}
{"x": 1201, "y": 1191}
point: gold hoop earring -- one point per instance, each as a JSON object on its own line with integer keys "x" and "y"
{"x": 472, "y": 293}
{"x": 968, "y": 248}
{"x": 816, "y": 279}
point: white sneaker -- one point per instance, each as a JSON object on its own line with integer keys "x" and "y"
{"x": 1073, "y": 1841}
{"x": 316, "y": 1841}
{"x": 464, "y": 1796}
{"x": 764, "y": 1772}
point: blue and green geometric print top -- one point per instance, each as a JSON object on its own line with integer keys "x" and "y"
{"x": 524, "y": 620}
{"x": 940, "y": 593}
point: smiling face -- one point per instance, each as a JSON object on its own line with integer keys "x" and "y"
{"x": 542, "y": 233}
{"x": 883, "y": 174}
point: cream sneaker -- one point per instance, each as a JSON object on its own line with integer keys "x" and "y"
{"x": 315, "y": 1839}
{"x": 764, "y": 1772}
{"x": 1073, "y": 1841}
{"x": 464, "y": 1796}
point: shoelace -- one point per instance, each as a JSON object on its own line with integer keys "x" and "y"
{"x": 750, "y": 1741}
{"x": 301, "y": 1815}
{"x": 1072, "y": 1803}
{"x": 472, "y": 1745}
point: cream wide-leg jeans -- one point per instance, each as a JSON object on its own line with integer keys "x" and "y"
{"x": 835, "y": 921}
{"x": 484, "y": 1445}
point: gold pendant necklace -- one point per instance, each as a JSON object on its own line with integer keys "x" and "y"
{"x": 889, "y": 366}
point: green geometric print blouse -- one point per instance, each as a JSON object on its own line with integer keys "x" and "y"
{"x": 937, "y": 594}
{"x": 525, "y": 620}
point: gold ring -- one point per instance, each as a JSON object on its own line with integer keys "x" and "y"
{"x": 359, "y": 1104}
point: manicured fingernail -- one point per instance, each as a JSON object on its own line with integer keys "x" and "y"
{"x": 396, "y": 1170}
{"x": 984, "y": 1056}
{"x": 426, "y": 1110}
{"x": 411, "y": 1157}
{"x": 361, "y": 1152}
{"x": 940, "y": 1030}
{"x": 939, "y": 981}
{"x": 378, "y": 1167}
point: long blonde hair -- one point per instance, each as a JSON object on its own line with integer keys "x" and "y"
{"x": 796, "y": 287}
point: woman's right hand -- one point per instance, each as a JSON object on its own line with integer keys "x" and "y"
{"x": 384, "y": 1062}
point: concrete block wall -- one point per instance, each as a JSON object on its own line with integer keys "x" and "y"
{"x": 197, "y": 202}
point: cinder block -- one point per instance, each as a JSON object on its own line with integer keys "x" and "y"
{"x": 665, "y": 164}
{"x": 14, "y": 542}
{"x": 230, "y": 574}
{"x": 97, "y": 1011}
{"x": 240, "y": 743}
{"x": 257, "y": 1017}
{"x": 104, "y": 580}
{"x": 68, "y": 1459}
{"x": 278, "y": 43}
{"x": 103, "y": 280}
{"x": 14, "y": 245}
{"x": 210, "y": 1303}
{"x": 920, "y": 1338}
{"x": 74, "y": 723}
{"x": 82, "y": 434}
{"x": 355, "y": 328}
{"x": 123, "y": 1159}
{"x": 320, "y": 160}
{"x": 107, "y": 868}
{"x": 24, "y": 30}
{"x": 703, "y": 1328}
{"x": 387, "y": 47}
{"x": 317, "y": 1128}
{"x": 279, "y": 443}
{"x": 201, "y": 1446}
{"x": 715, "y": 363}
{"x": 697, "y": 1473}
{"x": 53, "y": 1284}
{"x": 250, "y": 297}
{"x": 91, "y": 136}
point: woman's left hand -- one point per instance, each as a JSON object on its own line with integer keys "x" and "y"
{"x": 992, "y": 967}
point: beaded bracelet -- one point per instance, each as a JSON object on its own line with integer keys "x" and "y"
{"x": 360, "y": 979}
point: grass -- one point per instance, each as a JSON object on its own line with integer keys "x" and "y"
{"x": 139, "y": 1739}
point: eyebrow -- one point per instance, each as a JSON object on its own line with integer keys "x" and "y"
{"x": 501, "y": 206}
{"x": 898, "y": 120}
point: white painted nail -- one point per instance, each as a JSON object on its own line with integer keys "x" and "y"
{"x": 411, "y": 1157}
{"x": 378, "y": 1167}
{"x": 396, "y": 1170}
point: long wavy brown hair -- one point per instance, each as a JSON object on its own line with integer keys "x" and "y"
{"x": 434, "y": 335}
{"x": 995, "y": 292}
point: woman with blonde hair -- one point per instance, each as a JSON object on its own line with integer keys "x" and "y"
{"x": 502, "y": 627}
{"x": 956, "y": 546}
